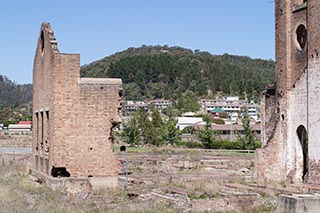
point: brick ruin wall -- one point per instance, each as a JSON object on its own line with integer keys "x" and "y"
{"x": 72, "y": 117}
{"x": 296, "y": 97}
{"x": 314, "y": 91}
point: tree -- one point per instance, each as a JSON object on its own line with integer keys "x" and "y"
{"x": 171, "y": 132}
{"x": 156, "y": 119}
{"x": 7, "y": 116}
{"x": 248, "y": 141}
{"x": 206, "y": 135}
{"x": 154, "y": 135}
{"x": 143, "y": 120}
{"x": 132, "y": 91}
{"x": 170, "y": 111}
{"x": 154, "y": 129}
{"x": 188, "y": 102}
{"x": 131, "y": 133}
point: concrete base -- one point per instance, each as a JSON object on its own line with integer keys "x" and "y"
{"x": 299, "y": 203}
{"x": 75, "y": 186}
{"x": 103, "y": 182}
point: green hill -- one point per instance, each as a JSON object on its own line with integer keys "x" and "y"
{"x": 169, "y": 72}
{"x": 12, "y": 94}
{"x": 15, "y": 101}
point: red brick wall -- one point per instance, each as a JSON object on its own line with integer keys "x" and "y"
{"x": 73, "y": 125}
{"x": 297, "y": 97}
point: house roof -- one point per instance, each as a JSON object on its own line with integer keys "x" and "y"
{"x": 188, "y": 114}
{"x": 189, "y": 120}
{"x": 25, "y": 122}
{"x": 235, "y": 127}
{"x": 19, "y": 126}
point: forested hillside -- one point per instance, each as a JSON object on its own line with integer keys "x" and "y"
{"x": 12, "y": 94}
{"x": 169, "y": 72}
{"x": 15, "y": 101}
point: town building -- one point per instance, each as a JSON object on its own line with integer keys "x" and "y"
{"x": 160, "y": 103}
{"x": 25, "y": 122}
{"x": 291, "y": 111}
{"x": 233, "y": 132}
{"x": 184, "y": 122}
{"x": 20, "y": 128}
{"x": 230, "y": 105}
{"x": 73, "y": 117}
{"x": 132, "y": 106}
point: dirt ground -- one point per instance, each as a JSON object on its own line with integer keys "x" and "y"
{"x": 160, "y": 180}
{"x": 197, "y": 180}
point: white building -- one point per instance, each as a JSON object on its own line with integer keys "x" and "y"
{"x": 188, "y": 121}
{"x": 160, "y": 103}
{"x": 230, "y": 105}
{"x": 20, "y": 128}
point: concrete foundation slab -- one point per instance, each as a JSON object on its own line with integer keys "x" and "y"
{"x": 299, "y": 203}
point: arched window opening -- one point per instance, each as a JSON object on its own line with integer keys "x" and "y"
{"x": 303, "y": 138}
{"x": 301, "y": 37}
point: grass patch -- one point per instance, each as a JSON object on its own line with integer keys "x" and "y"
{"x": 265, "y": 208}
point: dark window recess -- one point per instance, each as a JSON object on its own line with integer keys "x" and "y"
{"x": 303, "y": 138}
{"x": 59, "y": 172}
{"x": 301, "y": 36}
{"x": 42, "y": 41}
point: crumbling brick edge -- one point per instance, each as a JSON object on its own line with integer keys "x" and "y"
{"x": 75, "y": 186}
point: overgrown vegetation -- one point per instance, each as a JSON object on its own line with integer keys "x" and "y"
{"x": 141, "y": 130}
{"x": 12, "y": 95}
{"x": 248, "y": 141}
{"x": 209, "y": 140}
{"x": 170, "y": 72}
{"x": 19, "y": 194}
{"x": 15, "y": 101}
{"x": 150, "y": 129}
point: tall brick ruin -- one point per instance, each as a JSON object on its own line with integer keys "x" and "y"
{"x": 291, "y": 116}
{"x": 72, "y": 117}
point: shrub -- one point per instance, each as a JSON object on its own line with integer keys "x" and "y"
{"x": 190, "y": 144}
{"x": 218, "y": 121}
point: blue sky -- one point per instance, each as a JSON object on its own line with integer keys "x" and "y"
{"x": 98, "y": 28}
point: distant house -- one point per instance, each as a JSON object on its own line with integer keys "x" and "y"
{"x": 133, "y": 106}
{"x": 160, "y": 103}
{"x": 188, "y": 121}
{"x": 230, "y": 105}
{"x": 232, "y": 131}
{"x": 231, "y": 98}
{"x": 19, "y": 128}
{"x": 188, "y": 114}
{"x": 234, "y": 117}
{"x": 217, "y": 112}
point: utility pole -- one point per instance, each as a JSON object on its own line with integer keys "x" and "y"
{"x": 125, "y": 148}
